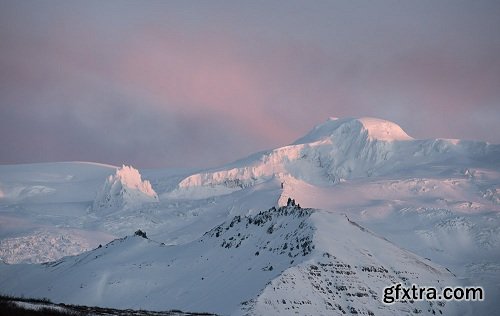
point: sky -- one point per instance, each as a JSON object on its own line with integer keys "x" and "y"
{"x": 186, "y": 84}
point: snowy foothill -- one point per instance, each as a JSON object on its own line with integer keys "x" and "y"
{"x": 375, "y": 197}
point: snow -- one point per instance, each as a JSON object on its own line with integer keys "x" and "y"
{"x": 124, "y": 189}
{"x": 383, "y": 130}
{"x": 436, "y": 198}
{"x": 43, "y": 245}
{"x": 46, "y": 225}
{"x": 376, "y": 129}
{"x": 39, "y": 306}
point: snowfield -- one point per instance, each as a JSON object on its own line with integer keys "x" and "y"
{"x": 377, "y": 207}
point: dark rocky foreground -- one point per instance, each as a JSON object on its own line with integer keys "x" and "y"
{"x": 14, "y": 306}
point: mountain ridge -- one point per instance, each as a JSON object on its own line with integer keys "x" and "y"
{"x": 376, "y": 129}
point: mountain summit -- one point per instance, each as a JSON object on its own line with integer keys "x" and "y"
{"x": 375, "y": 129}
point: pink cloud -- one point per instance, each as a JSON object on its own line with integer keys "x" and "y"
{"x": 201, "y": 76}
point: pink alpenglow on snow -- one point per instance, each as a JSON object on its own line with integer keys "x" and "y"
{"x": 125, "y": 189}
{"x": 383, "y": 130}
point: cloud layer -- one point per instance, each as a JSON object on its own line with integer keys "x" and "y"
{"x": 169, "y": 84}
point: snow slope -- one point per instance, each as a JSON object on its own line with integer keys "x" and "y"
{"x": 277, "y": 262}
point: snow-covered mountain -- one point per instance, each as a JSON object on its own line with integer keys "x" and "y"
{"x": 337, "y": 150}
{"x": 437, "y": 198}
{"x": 277, "y": 262}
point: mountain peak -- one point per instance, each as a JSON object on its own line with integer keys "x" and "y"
{"x": 383, "y": 130}
{"x": 376, "y": 129}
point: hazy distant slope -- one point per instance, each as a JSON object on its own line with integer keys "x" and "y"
{"x": 51, "y": 182}
{"x": 43, "y": 208}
